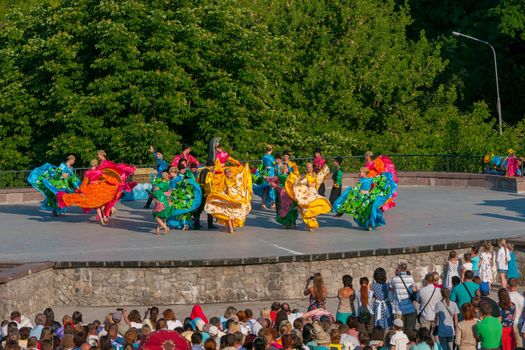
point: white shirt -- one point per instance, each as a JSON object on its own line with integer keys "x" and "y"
{"x": 424, "y": 296}
{"x": 402, "y": 303}
{"x": 519, "y": 301}
{"x": 173, "y": 324}
{"x": 467, "y": 266}
{"x": 503, "y": 258}
{"x": 400, "y": 340}
{"x": 135, "y": 325}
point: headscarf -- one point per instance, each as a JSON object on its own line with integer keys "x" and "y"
{"x": 197, "y": 312}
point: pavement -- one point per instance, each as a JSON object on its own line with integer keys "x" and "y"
{"x": 423, "y": 216}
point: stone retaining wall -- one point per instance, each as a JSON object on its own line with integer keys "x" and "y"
{"x": 185, "y": 282}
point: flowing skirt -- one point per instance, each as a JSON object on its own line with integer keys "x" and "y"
{"x": 101, "y": 188}
{"x": 186, "y": 197}
{"x": 365, "y": 208}
{"x": 48, "y": 180}
{"x": 230, "y": 199}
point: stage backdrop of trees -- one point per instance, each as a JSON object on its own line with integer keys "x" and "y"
{"x": 342, "y": 75}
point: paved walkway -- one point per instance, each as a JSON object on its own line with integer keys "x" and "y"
{"x": 424, "y": 216}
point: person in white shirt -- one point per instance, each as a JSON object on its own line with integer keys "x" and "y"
{"x": 404, "y": 291}
{"x": 519, "y": 301}
{"x": 428, "y": 297}
{"x": 467, "y": 265}
{"x": 502, "y": 259}
{"x": 399, "y": 340}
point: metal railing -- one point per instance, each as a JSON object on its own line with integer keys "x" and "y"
{"x": 403, "y": 162}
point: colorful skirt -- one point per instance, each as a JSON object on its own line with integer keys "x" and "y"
{"x": 48, "y": 180}
{"x": 365, "y": 208}
{"x": 186, "y": 197}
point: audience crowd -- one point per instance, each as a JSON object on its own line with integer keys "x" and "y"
{"x": 449, "y": 310}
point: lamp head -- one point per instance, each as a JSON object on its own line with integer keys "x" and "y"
{"x": 456, "y": 33}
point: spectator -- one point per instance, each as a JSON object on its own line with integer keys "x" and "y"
{"x": 151, "y": 316}
{"x": 508, "y": 312}
{"x": 404, "y": 293}
{"x": 16, "y": 317}
{"x": 317, "y": 292}
{"x": 502, "y": 259}
{"x": 210, "y": 344}
{"x": 287, "y": 342}
{"x": 399, "y": 340}
{"x": 513, "y": 265}
{"x": 196, "y": 341}
{"x": 428, "y": 297}
{"x": 365, "y": 304}
{"x": 464, "y": 292}
{"x": 133, "y": 319}
{"x": 382, "y": 306}
{"x": 335, "y": 340}
{"x": 424, "y": 340}
{"x": 66, "y": 342}
{"x": 40, "y": 321}
{"x": 446, "y": 320}
{"x": 452, "y": 268}
{"x": 474, "y": 258}
{"x": 346, "y": 298}
{"x": 485, "y": 263}
{"x": 466, "y": 266}
{"x": 489, "y": 330}
{"x": 465, "y": 338}
{"x": 519, "y": 301}
{"x": 171, "y": 320}
{"x": 24, "y": 336}
{"x": 32, "y": 343}
{"x": 484, "y": 290}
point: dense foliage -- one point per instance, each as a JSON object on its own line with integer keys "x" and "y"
{"x": 345, "y": 76}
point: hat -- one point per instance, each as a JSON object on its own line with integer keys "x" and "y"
{"x": 320, "y": 336}
{"x": 398, "y": 323}
{"x": 484, "y": 288}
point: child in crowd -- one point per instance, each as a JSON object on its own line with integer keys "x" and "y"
{"x": 452, "y": 268}
{"x": 466, "y": 266}
{"x": 485, "y": 263}
{"x": 503, "y": 259}
{"x": 474, "y": 259}
{"x": 399, "y": 340}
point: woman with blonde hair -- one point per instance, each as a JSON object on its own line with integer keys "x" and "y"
{"x": 317, "y": 292}
{"x": 503, "y": 259}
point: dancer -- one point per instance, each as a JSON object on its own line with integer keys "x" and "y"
{"x": 216, "y": 153}
{"x": 318, "y": 164}
{"x": 186, "y": 149}
{"x": 161, "y": 195}
{"x": 292, "y": 166}
{"x": 382, "y": 164}
{"x": 186, "y": 197}
{"x": 286, "y": 207}
{"x": 160, "y": 166}
{"x": 204, "y": 179}
{"x": 230, "y": 196}
{"x": 365, "y": 200}
{"x": 262, "y": 187}
{"x": 512, "y": 165}
{"x": 49, "y": 180}
{"x": 100, "y": 190}
{"x": 305, "y": 193}
{"x": 337, "y": 178}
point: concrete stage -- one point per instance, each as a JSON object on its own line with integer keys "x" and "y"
{"x": 424, "y": 216}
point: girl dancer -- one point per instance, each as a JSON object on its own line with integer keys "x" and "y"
{"x": 49, "y": 180}
{"x": 161, "y": 195}
{"x": 230, "y": 196}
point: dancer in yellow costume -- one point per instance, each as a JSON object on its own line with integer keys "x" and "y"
{"x": 304, "y": 192}
{"x": 230, "y": 195}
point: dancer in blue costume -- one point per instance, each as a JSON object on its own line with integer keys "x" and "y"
{"x": 262, "y": 187}
{"x": 50, "y": 179}
{"x": 186, "y": 197}
{"x": 364, "y": 201}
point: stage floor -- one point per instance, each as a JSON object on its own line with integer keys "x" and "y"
{"x": 424, "y": 216}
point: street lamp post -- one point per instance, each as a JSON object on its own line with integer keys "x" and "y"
{"x": 498, "y": 106}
